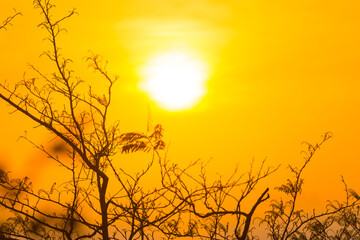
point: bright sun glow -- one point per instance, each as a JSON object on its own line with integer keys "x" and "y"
{"x": 175, "y": 81}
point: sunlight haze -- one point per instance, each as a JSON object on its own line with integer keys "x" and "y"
{"x": 175, "y": 80}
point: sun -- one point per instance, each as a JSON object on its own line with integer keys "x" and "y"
{"x": 174, "y": 80}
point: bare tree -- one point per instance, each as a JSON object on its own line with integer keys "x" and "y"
{"x": 84, "y": 206}
{"x": 286, "y": 220}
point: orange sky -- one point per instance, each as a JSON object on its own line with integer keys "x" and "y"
{"x": 281, "y": 72}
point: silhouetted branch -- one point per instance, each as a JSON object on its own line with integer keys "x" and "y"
{"x": 286, "y": 221}
{"x": 7, "y": 22}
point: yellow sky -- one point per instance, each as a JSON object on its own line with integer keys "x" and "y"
{"x": 281, "y": 72}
